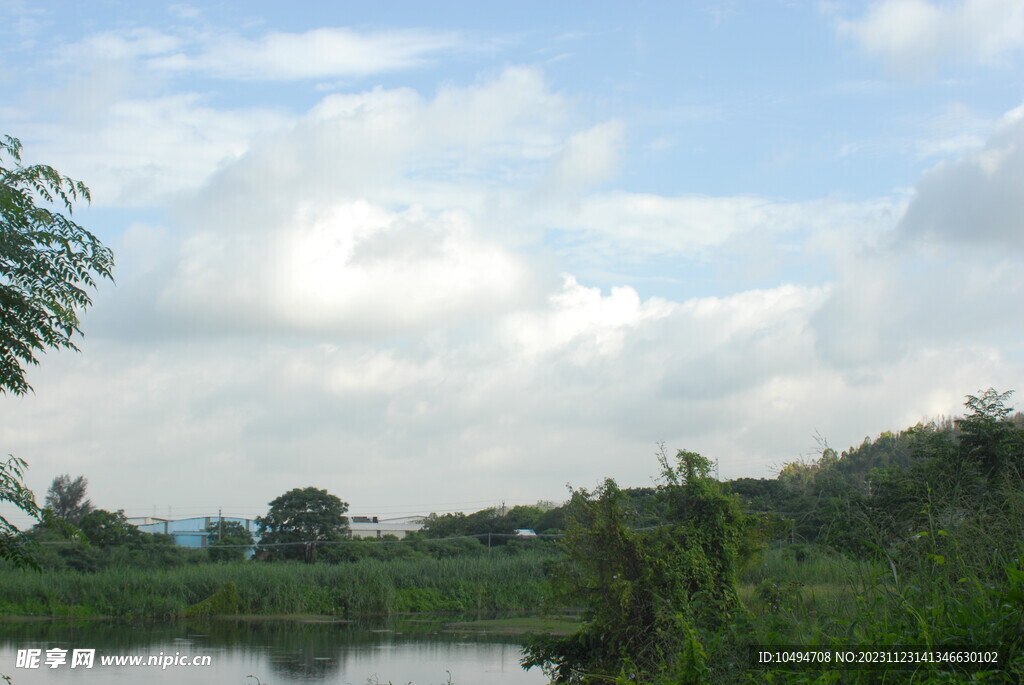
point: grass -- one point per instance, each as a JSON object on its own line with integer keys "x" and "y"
{"x": 803, "y": 595}
{"x": 366, "y": 587}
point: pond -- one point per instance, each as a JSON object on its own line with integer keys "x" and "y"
{"x": 273, "y": 651}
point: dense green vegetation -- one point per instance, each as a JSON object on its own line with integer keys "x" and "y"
{"x": 298, "y": 520}
{"x": 912, "y": 540}
{"x": 496, "y": 522}
{"x": 369, "y": 586}
{"x": 650, "y": 592}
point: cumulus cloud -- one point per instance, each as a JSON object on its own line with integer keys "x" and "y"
{"x": 974, "y": 200}
{"x": 366, "y": 299}
{"x": 376, "y": 213}
{"x": 582, "y": 318}
{"x": 144, "y": 151}
{"x": 915, "y": 36}
{"x": 398, "y": 147}
{"x": 946, "y": 274}
{"x": 560, "y": 390}
{"x": 352, "y": 267}
{"x": 137, "y": 144}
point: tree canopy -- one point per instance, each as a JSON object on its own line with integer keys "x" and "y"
{"x": 13, "y": 542}
{"x": 302, "y": 515}
{"x": 648, "y": 593}
{"x": 47, "y": 263}
{"x": 66, "y": 498}
{"x": 229, "y": 540}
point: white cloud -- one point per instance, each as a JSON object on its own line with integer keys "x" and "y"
{"x": 361, "y": 297}
{"x": 915, "y": 36}
{"x": 582, "y": 318}
{"x": 590, "y": 157}
{"x": 678, "y": 224}
{"x": 947, "y": 274}
{"x": 139, "y": 152}
{"x": 974, "y": 200}
{"x": 351, "y": 267}
{"x": 319, "y": 53}
{"x": 399, "y": 148}
{"x": 562, "y": 390}
{"x": 954, "y": 131}
{"x": 373, "y": 215}
{"x": 136, "y": 143}
{"x": 123, "y": 45}
{"x": 642, "y": 225}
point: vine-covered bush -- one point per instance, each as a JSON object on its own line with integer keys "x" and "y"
{"x": 652, "y": 596}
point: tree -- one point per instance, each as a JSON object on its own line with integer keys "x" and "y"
{"x": 110, "y": 529}
{"x": 47, "y": 262}
{"x": 653, "y": 597}
{"x": 229, "y": 541}
{"x": 989, "y": 439}
{"x": 300, "y": 519}
{"x": 13, "y": 543}
{"x": 66, "y": 498}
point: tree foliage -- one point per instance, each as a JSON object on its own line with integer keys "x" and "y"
{"x": 229, "y": 541}
{"x": 499, "y": 522}
{"x": 109, "y": 529}
{"x": 300, "y": 519}
{"x": 651, "y": 595}
{"x": 989, "y": 440}
{"x": 66, "y": 498}
{"x": 14, "y": 543}
{"x": 47, "y": 263}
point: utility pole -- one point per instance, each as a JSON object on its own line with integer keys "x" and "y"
{"x": 220, "y": 524}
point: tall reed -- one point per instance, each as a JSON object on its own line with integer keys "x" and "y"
{"x": 369, "y": 586}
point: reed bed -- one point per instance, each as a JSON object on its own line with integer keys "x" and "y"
{"x": 366, "y": 587}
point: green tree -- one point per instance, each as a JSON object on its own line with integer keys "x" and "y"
{"x": 484, "y": 523}
{"x": 66, "y": 498}
{"x": 47, "y": 263}
{"x": 14, "y": 544}
{"x": 989, "y": 439}
{"x": 652, "y": 597}
{"x": 229, "y": 541}
{"x": 299, "y": 520}
{"x": 110, "y": 529}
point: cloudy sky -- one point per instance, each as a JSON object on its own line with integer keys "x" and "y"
{"x": 434, "y": 256}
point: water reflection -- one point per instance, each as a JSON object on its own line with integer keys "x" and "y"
{"x": 278, "y": 651}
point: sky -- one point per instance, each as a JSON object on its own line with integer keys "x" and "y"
{"x": 440, "y": 256}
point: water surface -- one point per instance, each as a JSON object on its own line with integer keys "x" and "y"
{"x": 277, "y": 652}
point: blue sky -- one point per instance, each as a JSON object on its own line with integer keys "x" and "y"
{"x": 434, "y": 256}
